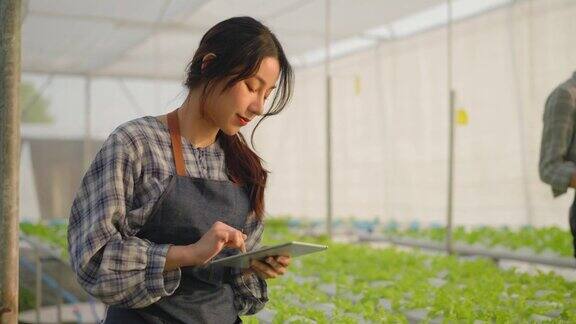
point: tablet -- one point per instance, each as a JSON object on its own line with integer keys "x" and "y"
{"x": 292, "y": 249}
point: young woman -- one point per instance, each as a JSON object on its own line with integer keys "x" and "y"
{"x": 167, "y": 194}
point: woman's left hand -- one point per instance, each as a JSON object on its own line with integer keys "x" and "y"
{"x": 273, "y": 267}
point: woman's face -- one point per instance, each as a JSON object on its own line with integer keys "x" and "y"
{"x": 237, "y": 106}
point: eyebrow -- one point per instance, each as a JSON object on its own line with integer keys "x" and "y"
{"x": 263, "y": 82}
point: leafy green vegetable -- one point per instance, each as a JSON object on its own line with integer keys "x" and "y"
{"x": 351, "y": 283}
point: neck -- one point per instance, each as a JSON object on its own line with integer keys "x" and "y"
{"x": 196, "y": 128}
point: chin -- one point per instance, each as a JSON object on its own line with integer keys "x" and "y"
{"x": 230, "y": 130}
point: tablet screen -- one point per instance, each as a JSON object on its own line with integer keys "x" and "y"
{"x": 292, "y": 249}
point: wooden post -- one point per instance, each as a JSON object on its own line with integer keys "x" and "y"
{"x": 10, "y": 11}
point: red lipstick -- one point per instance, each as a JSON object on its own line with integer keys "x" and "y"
{"x": 243, "y": 121}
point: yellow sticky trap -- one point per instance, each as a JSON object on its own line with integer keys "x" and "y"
{"x": 461, "y": 117}
{"x": 357, "y": 85}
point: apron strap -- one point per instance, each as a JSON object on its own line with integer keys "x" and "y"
{"x": 176, "y": 140}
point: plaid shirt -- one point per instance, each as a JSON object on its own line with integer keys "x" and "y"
{"x": 558, "y": 147}
{"x": 116, "y": 197}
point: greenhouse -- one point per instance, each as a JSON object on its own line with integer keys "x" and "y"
{"x": 418, "y": 141}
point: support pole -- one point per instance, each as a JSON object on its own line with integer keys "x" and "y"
{"x": 87, "y": 122}
{"x": 328, "y": 123}
{"x": 59, "y": 305}
{"x": 451, "y": 99}
{"x": 38, "y": 284}
{"x": 10, "y": 44}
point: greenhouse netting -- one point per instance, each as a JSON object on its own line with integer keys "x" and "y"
{"x": 414, "y": 129}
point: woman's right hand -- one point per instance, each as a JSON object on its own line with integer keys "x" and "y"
{"x": 210, "y": 244}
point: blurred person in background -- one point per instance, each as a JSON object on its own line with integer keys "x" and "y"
{"x": 558, "y": 147}
{"x": 167, "y": 194}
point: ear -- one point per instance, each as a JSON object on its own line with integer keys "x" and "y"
{"x": 206, "y": 60}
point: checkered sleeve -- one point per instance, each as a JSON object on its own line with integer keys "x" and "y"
{"x": 251, "y": 294}
{"x": 112, "y": 265}
{"x": 557, "y": 134}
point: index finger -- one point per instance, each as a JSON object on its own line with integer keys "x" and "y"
{"x": 239, "y": 240}
{"x": 233, "y": 238}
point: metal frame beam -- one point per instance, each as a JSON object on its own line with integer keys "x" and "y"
{"x": 468, "y": 250}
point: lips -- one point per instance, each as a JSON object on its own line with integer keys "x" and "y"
{"x": 243, "y": 120}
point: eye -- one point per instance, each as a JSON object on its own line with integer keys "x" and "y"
{"x": 249, "y": 89}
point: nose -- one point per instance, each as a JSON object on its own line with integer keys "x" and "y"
{"x": 257, "y": 107}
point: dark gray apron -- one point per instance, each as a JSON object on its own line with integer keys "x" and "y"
{"x": 184, "y": 212}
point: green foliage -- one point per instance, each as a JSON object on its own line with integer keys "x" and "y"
{"x": 26, "y": 299}
{"x": 540, "y": 240}
{"x": 277, "y": 225}
{"x": 34, "y": 107}
{"x": 349, "y": 283}
{"x": 445, "y": 288}
{"x": 54, "y": 235}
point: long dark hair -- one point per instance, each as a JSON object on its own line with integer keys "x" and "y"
{"x": 239, "y": 45}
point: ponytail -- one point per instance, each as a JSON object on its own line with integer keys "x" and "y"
{"x": 244, "y": 167}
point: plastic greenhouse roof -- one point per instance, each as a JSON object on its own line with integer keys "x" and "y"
{"x": 156, "y": 38}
